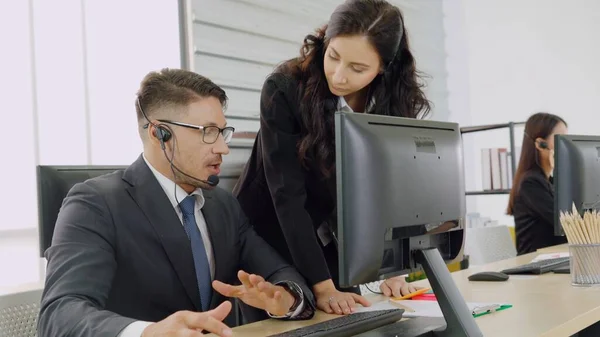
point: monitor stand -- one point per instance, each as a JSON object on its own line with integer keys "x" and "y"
{"x": 459, "y": 321}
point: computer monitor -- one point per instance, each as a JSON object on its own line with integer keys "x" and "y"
{"x": 576, "y": 175}
{"x": 54, "y": 182}
{"x": 401, "y": 204}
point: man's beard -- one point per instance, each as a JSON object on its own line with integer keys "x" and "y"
{"x": 181, "y": 178}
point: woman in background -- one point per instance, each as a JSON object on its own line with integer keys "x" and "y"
{"x": 531, "y": 199}
{"x": 359, "y": 62}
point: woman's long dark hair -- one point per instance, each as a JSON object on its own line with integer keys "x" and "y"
{"x": 539, "y": 125}
{"x": 396, "y": 92}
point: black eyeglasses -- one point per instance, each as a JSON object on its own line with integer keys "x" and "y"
{"x": 210, "y": 133}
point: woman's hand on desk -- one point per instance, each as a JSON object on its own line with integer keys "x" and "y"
{"x": 330, "y": 300}
{"x": 396, "y": 287}
{"x": 257, "y": 292}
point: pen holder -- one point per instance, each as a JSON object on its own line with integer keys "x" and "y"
{"x": 585, "y": 264}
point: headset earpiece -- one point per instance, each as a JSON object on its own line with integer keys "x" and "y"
{"x": 541, "y": 143}
{"x": 162, "y": 134}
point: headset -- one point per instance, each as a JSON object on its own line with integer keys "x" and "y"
{"x": 163, "y": 133}
{"x": 542, "y": 143}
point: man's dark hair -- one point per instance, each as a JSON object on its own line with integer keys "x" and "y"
{"x": 173, "y": 88}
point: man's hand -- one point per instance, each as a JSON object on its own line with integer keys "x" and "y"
{"x": 190, "y": 324}
{"x": 396, "y": 287}
{"x": 257, "y": 292}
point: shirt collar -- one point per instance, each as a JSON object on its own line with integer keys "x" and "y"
{"x": 171, "y": 188}
{"x": 343, "y": 105}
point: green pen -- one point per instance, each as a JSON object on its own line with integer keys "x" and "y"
{"x": 489, "y": 309}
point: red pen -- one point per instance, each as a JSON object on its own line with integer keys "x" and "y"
{"x": 425, "y": 297}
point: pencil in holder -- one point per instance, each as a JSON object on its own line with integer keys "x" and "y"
{"x": 583, "y": 235}
{"x": 585, "y": 264}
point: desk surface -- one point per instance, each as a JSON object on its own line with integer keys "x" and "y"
{"x": 554, "y": 249}
{"x": 545, "y": 305}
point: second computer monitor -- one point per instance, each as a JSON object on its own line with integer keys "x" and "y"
{"x": 400, "y": 187}
{"x": 576, "y": 175}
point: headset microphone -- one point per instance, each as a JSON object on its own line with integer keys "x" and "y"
{"x": 163, "y": 134}
{"x": 213, "y": 180}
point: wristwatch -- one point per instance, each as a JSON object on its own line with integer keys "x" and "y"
{"x": 296, "y": 291}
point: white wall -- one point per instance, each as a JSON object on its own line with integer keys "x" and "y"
{"x": 70, "y": 74}
{"x": 523, "y": 56}
{"x": 71, "y": 81}
{"x": 73, "y": 71}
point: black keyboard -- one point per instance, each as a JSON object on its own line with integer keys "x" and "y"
{"x": 539, "y": 267}
{"x": 348, "y": 325}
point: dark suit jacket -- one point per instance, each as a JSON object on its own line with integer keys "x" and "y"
{"x": 286, "y": 202}
{"x": 533, "y": 211}
{"x": 119, "y": 254}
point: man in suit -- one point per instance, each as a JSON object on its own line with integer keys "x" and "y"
{"x": 135, "y": 252}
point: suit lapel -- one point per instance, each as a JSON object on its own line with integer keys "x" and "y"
{"x": 218, "y": 236}
{"x": 151, "y": 198}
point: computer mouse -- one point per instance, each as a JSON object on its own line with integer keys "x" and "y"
{"x": 488, "y": 276}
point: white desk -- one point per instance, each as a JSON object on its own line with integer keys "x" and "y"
{"x": 545, "y": 305}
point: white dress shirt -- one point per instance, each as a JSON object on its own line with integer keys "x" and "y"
{"x": 171, "y": 189}
{"x": 343, "y": 105}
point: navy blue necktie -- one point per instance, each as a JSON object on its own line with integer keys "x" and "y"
{"x": 198, "y": 251}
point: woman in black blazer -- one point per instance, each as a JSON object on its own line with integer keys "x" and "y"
{"x": 531, "y": 199}
{"x": 359, "y": 62}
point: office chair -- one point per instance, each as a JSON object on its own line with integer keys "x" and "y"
{"x": 19, "y": 312}
{"x": 489, "y": 244}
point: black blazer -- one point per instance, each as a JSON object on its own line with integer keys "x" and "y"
{"x": 286, "y": 202}
{"x": 533, "y": 211}
{"x": 119, "y": 254}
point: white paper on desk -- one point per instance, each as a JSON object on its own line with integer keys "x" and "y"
{"x": 383, "y": 305}
{"x": 550, "y": 256}
{"x": 432, "y": 308}
{"x": 523, "y": 277}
